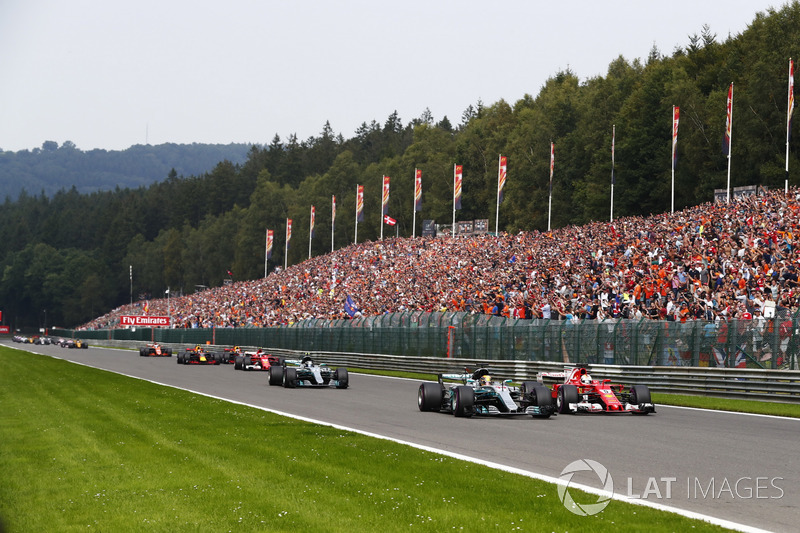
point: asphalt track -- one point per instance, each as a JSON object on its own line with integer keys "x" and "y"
{"x": 739, "y": 468}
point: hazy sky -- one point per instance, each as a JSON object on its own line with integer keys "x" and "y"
{"x": 111, "y": 74}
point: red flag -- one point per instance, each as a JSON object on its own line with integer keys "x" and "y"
{"x": 417, "y": 190}
{"x": 726, "y": 140}
{"x": 501, "y": 177}
{"x": 389, "y": 220}
{"x": 288, "y": 232}
{"x": 359, "y": 203}
{"x": 676, "y": 113}
{"x": 791, "y": 102}
{"x": 313, "y": 213}
{"x": 458, "y": 174}
{"x": 385, "y": 197}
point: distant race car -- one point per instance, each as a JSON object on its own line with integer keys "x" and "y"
{"x": 307, "y": 373}
{"x": 155, "y": 350}
{"x": 43, "y": 340}
{"x": 579, "y": 393}
{"x": 75, "y": 343}
{"x": 257, "y": 360}
{"x": 480, "y": 394}
{"x": 229, "y": 355}
{"x": 199, "y": 356}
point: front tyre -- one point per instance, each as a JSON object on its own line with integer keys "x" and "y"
{"x": 342, "y": 378}
{"x": 275, "y": 375}
{"x": 567, "y": 394}
{"x": 289, "y": 378}
{"x": 429, "y": 397}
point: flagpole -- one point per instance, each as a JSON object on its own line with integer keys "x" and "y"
{"x": 453, "y": 230}
{"x": 672, "y": 163}
{"x": 730, "y": 147}
{"x": 414, "y": 208}
{"x": 383, "y": 193}
{"x": 790, "y": 107}
{"x": 613, "y": 136}
{"x": 286, "y": 247}
{"x": 497, "y": 209}
{"x": 310, "y": 231}
{"x": 333, "y": 218}
{"x": 266, "y": 246}
{"x": 356, "y": 239}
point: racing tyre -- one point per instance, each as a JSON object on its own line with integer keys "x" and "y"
{"x": 640, "y": 394}
{"x": 275, "y": 375}
{"x": 289, "y": 378}
{"x": 167, "y": 352}
{"x": 463, "y": 401}
{"x": 567, "y": 394}
{"x": 247, "y": 360}
{"x": 142, "y": 352}
{"x": 237, "y": 362}
{"x": 541, "y": 397}
{"x": 429, "y": 397}
{"x": 341, "y": 377}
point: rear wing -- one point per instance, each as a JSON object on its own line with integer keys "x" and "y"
{"x": 551, "y": 375}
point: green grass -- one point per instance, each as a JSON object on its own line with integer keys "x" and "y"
{"x": 82, "y": 449}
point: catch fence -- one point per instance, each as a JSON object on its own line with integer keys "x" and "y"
{"x": 759, "y": 343}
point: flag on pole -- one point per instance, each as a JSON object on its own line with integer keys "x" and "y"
{"x": 417, "y": 190}
{"x": 613, "y": 136}
{"x": 676, "y": 113}
{"x": 791, "y": 102}
{"x": 288, "y": 232}
{"x": 311, "y": 230}
{"x": 359, "y": 203}
{"x": 385, "y": 196}
{"x": 726, "y": 139}
{"x": 350, "y": 307}
{"x": 552, "y": 164}
{"x": 457, "y": 178}
{"x": 389, "y": 220}
{"x": 270, "y": 238}
{"x": 501, "y": 177}
{"x": 333, "y": 210}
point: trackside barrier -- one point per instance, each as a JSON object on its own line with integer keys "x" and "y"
{"x": 754, "y": 384}
{"x": 757, "y": 344}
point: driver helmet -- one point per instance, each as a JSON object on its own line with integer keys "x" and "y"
{"x": 306, "y": 360}
{"x": 486, "y": 380}
{"x": 586, "y": 379}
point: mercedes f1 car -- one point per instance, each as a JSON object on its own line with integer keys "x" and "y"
{"x": 155, "y": 350}
{"x": 480, "y": 394}
{"x": 307, "y": 373}
{"x": 199, "y": 356}
{"x": 579, "y": 393}
{"x": 257, "y": 360}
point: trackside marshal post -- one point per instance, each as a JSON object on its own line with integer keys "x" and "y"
{"x": 143, "y": 321}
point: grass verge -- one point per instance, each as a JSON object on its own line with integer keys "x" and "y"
{"x": 84, "y": 449}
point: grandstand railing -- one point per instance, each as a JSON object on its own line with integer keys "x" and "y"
{"x": 755, "y": 344}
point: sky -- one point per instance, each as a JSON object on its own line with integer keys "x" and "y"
{"x": 110, "y": 74}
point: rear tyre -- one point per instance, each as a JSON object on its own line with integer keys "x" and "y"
{"x": 429, "y": 397}
{"x": 342, "y": 378}
{"x": 275, "y": 375}
{"x": 237, "y": 362}
{"x": 463, "y": 401}
{"x": 567, "y": 394}
{"x": 246, "y": 361}
{"x": 142, "y": 352}
{"x": 289, "y": 378}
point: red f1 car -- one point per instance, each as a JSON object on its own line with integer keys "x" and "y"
{"x": 155, "y": 350}
{"x": 257, "y": 360}
{"x": 580, "y": 393}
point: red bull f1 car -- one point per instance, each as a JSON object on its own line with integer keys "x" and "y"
{"x": 155, "y": 350}
{"x": 307, "y": 373}
{"x": 199, "y": 356}
{"x": 480, "y": 394}
{"x": 579, "y": 393}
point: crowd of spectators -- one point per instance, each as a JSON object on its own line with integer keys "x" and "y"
{"x": 713, "y": 261}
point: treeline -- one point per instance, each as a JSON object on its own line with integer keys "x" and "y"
{"x": 47, "y": 169}
{"x": 71, "y": 254}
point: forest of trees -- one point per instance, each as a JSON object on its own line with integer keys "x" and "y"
{"x": 47, "y": 169}
{"x": 66, "y": 258}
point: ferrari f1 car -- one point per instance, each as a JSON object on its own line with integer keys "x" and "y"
{"x": 579, "y": 393}
{"x": 257, "y": 360}
{"x": 199, "y": 356}
{"x": 480, "y": 394}
{"x": 307, "y": 373}
{"x": 155, "y": 350}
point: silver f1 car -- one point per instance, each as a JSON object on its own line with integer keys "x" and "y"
{"x": 480, "y": 394}
{"x": 307, "y": 373}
